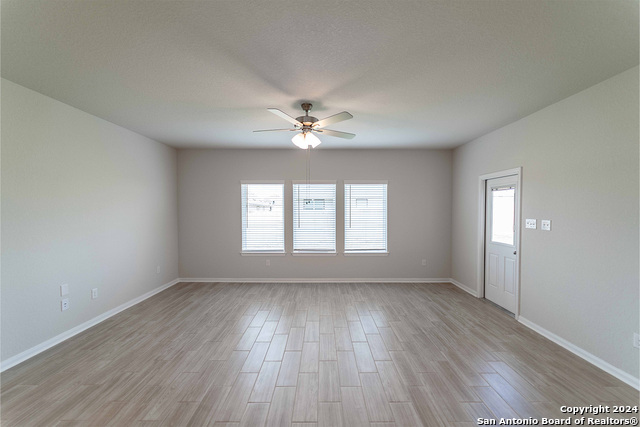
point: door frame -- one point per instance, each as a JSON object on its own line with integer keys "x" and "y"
{"x": 482, "y": 186}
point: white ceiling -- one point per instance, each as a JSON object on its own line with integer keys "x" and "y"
{"x": 430, "y": 74}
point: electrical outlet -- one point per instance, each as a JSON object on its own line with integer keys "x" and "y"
{"x": 424, "y": 262}
{"x": 530, "y": 223}
{"x": 157, "y": 269}
{"x": 64, "y": 304}
{"x": 545, "y": 225}
{"x": 636, "y": 340}
{"x": 268, "y": 263}
{"x": 64, "y": 290}
{"x": 94, "y": 293}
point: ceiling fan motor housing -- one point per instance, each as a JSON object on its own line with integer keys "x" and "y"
{"x": 307, "y": 120}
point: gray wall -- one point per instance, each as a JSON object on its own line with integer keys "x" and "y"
{"x": 419, "y": 209}
{"x": 580, "y": 169}
{"x": 84, "y": 202}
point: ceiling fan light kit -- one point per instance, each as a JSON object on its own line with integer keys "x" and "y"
{"x": 304, "y": 140}
{"x": 307, "y": 125}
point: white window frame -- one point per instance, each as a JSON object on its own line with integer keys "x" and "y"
{"x": 380, "y": 252}
{"x": 265, "y": 252}
{"x": 295, "y": 252}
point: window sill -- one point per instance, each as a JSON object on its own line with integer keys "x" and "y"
{"x": 368, "y": 253}
{"x": 312, "y": 253}
{"x": 263, "y": 253}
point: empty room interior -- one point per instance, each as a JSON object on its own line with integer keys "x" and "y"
{"x": 295, "y": 213}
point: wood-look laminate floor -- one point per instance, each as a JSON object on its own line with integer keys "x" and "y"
{"x": 303, "y": 355}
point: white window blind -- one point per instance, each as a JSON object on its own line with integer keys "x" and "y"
{"x": 314, "y": 217}
{"x": 262, "y": 217}
{"x": 365, "y": 217}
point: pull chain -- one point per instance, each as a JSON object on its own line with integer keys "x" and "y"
{"x": 308, "y": 176}
{"x": 308, "y": 164}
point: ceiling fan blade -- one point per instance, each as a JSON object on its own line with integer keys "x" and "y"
{"x": 284, "y": 116}
{"x": 339, "y": 134}
{"x": 273, "y": 130}
{"x": 333, "y": 119}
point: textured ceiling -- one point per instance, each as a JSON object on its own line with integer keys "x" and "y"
{"x": 413, "y": 73}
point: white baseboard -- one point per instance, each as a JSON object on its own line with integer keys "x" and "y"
{"x": 464, "y": 287}
{"x": 594, "y": 360}
{"x": 27, "y": 354}
{"x": 312, "y": 280}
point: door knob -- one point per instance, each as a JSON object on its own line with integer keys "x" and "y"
{"x": 514, "y": 252}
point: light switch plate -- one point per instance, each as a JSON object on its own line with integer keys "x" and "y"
{"x": 64, "y": 290}
{"x": 530, "y": 223}
{"x": 545, "y": 225}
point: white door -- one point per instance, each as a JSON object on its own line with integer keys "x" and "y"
{"x": 501, "y": 238}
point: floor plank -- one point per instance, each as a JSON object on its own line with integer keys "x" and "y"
{"x": 310, "y": 357}
{"x": 289, "y": 369}
{"x": 354, "y": 411}
{"x": 330, "y": 414}
{"x": 306, "y": 406}
{"x": 348, "y": 369}
{"x": 255, "y": 415}
{"x": 329, "y": 382}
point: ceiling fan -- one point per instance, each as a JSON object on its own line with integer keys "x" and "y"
{"x": 308, "y": 125}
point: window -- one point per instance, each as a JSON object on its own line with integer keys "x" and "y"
{"x": 262, "y": 217}
{"x": 314, "y": 217}
{"x": 365, "y": 217}
{"x": 503, "y": 217}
